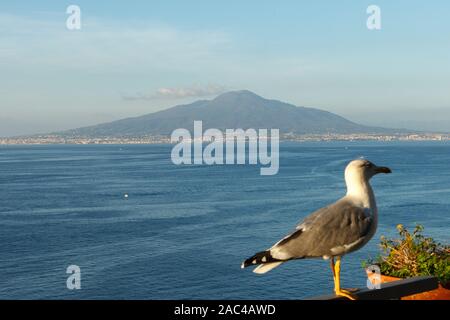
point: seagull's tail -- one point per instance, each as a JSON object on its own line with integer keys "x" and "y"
{"x": 265, "y": 261}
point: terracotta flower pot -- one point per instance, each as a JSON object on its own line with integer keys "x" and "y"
{"x": 440, "y": 293}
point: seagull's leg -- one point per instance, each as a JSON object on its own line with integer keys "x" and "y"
{"x": 334, "y": 273}
{"x": 337, "y": 282}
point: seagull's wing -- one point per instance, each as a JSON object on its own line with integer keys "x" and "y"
{"x": 333, "y": 230}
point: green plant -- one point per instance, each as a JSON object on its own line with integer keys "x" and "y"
{"x": 413, "y": 254}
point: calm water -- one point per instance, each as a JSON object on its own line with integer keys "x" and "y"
{"x": 183, "y": 231}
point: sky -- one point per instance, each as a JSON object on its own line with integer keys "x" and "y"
{"x": 136, "y": 57}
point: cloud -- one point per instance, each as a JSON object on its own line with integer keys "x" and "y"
{"x": 178, "y": 93}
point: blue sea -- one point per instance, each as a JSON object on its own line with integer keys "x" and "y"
{"x": 183, "y": 231}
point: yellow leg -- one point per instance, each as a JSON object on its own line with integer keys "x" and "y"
{"x": 332, "y": 269}
{"x": 337, "y": 281}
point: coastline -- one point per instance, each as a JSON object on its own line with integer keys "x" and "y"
{"x": 61, "y": 140}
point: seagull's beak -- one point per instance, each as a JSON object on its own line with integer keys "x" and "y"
{"x": 382, "y": 170}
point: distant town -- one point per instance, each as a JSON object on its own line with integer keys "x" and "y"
{"x": 58, "y": 139}
{"x": 293, "y": 122}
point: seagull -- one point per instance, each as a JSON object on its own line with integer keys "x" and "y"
{"x": 332, "y": 231}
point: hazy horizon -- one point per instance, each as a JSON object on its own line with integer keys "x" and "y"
{"x": 135, "y": 58}
{"x": 209, "y": 99}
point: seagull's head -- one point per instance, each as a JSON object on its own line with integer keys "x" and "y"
{"x": 363, "y": 170}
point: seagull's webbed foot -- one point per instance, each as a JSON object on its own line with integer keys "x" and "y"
{"x": 345, "y": 293}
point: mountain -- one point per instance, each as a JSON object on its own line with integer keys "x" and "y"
{"x": 232, "y": 110}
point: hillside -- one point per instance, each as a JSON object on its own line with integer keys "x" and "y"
{"x": 237, "y": 109}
